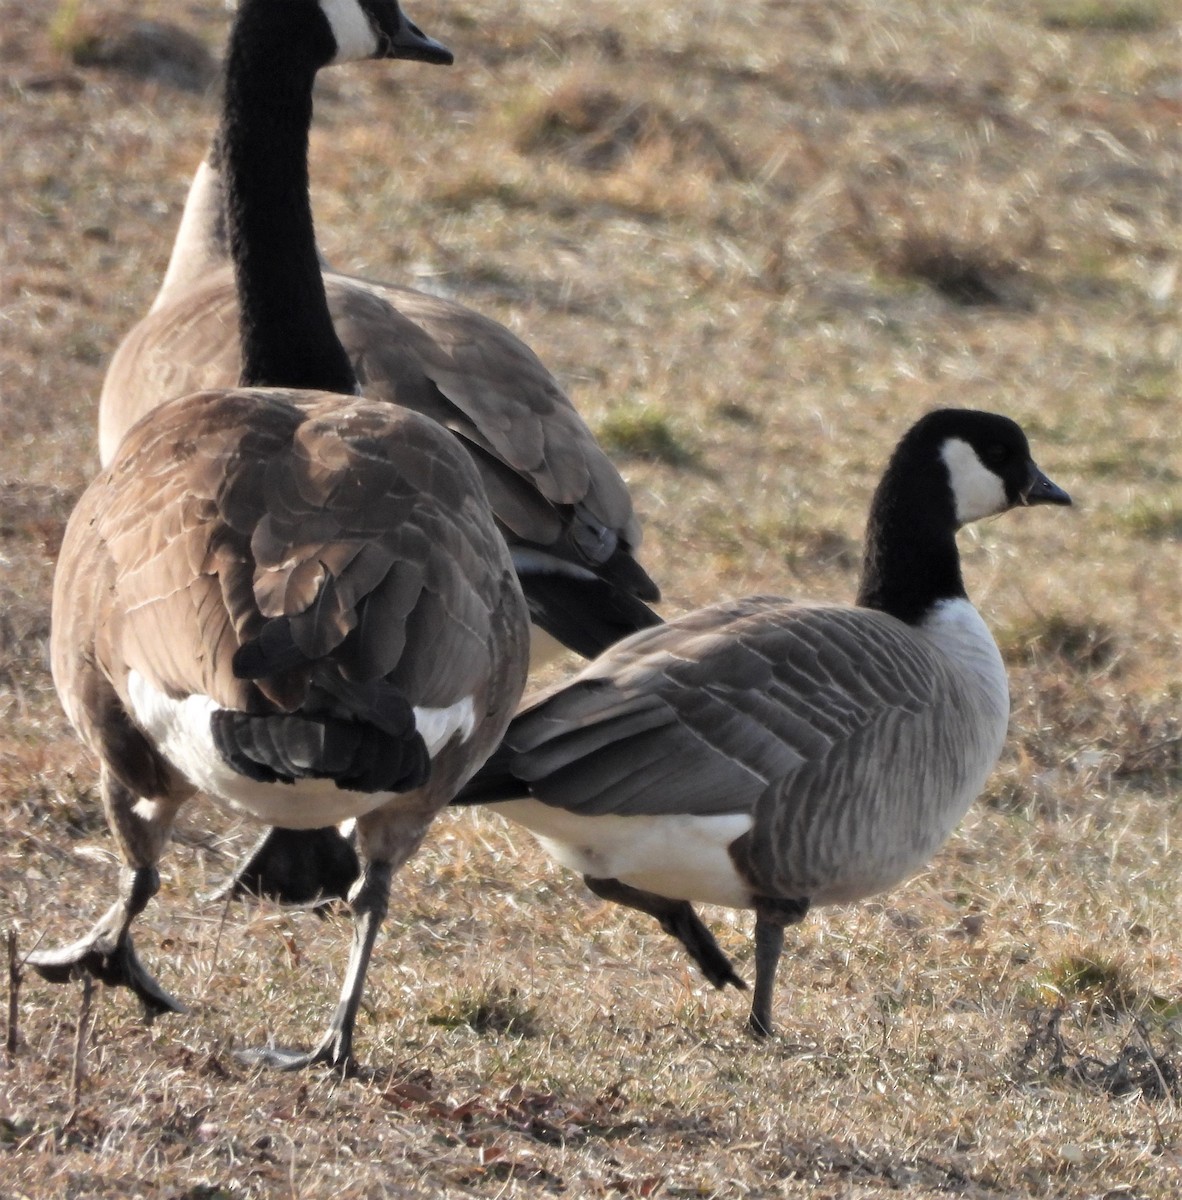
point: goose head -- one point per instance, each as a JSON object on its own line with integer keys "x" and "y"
{"x": 987, "y": 460}
{"x": 344, "y": 30}
{"x": 953, "y": 466}
{"x": 378, "y": 29}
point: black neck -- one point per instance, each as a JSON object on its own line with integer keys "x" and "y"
{"x": 286, "y": 332}
{"x": 911, "y": 561}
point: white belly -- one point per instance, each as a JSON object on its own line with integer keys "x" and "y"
{"x": 682, "y": 857}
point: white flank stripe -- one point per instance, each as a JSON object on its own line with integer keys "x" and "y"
{"x": 679, "y": 856}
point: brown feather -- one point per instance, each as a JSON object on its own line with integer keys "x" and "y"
{"x": 542, "y": 468}
{"x": 357, "y": 524}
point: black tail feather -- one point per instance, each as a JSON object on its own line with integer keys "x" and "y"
{"x": 279, "y": 748}
{"x": 585, "y": 614}
{"x": 298, "y": 866}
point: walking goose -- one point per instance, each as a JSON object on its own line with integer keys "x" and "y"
{"x": 770, "y": 755}
{"x": 560, "y": 503}
{"x": 295, "y": 601}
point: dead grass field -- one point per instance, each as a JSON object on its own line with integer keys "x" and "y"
{"x": 756, "y": 240}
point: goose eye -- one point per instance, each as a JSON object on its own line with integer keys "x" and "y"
{"x": 995, "y": 455}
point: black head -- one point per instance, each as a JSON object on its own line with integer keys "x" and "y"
{"x": 953, "y": 466}
{"x": 986, "y": 458}
{"x": 379, "y": 29}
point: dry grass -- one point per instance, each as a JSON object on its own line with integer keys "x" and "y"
{"x": 730, "y": 229}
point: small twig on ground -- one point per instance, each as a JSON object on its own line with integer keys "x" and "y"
{"x": 78, "y": 1072}
{"x": 14, "y": 989}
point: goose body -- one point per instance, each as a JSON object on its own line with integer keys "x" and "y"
{"x": 282, "y": 594}
{"x": 560, "y": 503}
{"x": 770, "y": 755}
{"x": 730, "y": 768}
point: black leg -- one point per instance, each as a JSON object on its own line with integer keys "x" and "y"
{"x": 678, "y": 919}
{"x": 370, "y": 899}
{"x": 107, "y": 953}
{"x": 769, "y": 943}
{"x": 771, "y": 915}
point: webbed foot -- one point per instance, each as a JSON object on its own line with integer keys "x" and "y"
{"x": 115, "y": 965}
{"x": 369, "y": 898}
{"x": 678, "y": 919}
{"x": 330, "y": 1053}
{"x": 107, "y": 953}
{"x": 687, "y": 928}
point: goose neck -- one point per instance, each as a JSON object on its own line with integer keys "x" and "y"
{"x": 286, "y": 330}
{"x": 911, "y": 562}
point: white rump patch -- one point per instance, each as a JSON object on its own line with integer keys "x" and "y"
{"x": 437, "y": 726}
{"x": 355, "y": 36}
{"x": 180, "y": 730}
{"x": 679, "y": 856}
{"x": 977, "y": 491}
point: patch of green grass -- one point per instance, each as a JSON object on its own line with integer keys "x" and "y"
{"x": 1098, "y": 981}
{"x": 1157, "y": 520}
{"x": 1105, "y": 16}
{"x": 67, "y": 34}
{"x": 641, "y": 432}
{"x": 487, "y": 1009}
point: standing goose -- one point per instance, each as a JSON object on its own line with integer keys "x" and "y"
{"x": 294, "y": 601}
{"x": 561, "y": 505}
{"x": 768, "y": 755}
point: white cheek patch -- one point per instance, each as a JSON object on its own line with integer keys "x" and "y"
{"x": 976, "y": 490}
{"x": 354, "y": 34}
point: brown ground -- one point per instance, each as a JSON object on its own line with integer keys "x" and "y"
{"x": 756, "y": 240}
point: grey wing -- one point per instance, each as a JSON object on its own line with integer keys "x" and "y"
{"x": 703, "y": 714}
{"x": 301, "y": 541}
{"x": 287, "y": 553}
{"x": 550, "y": 484}
{"x": 495, "y": 393}
{"x": 376, "y": 550}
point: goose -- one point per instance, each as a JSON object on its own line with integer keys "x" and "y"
{"x": 769, "y": 755}
{"x": 283, "y": 595}
{"x": 561, "y": 504}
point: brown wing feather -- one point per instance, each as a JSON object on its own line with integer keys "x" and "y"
{"x": 543, "y": 469}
